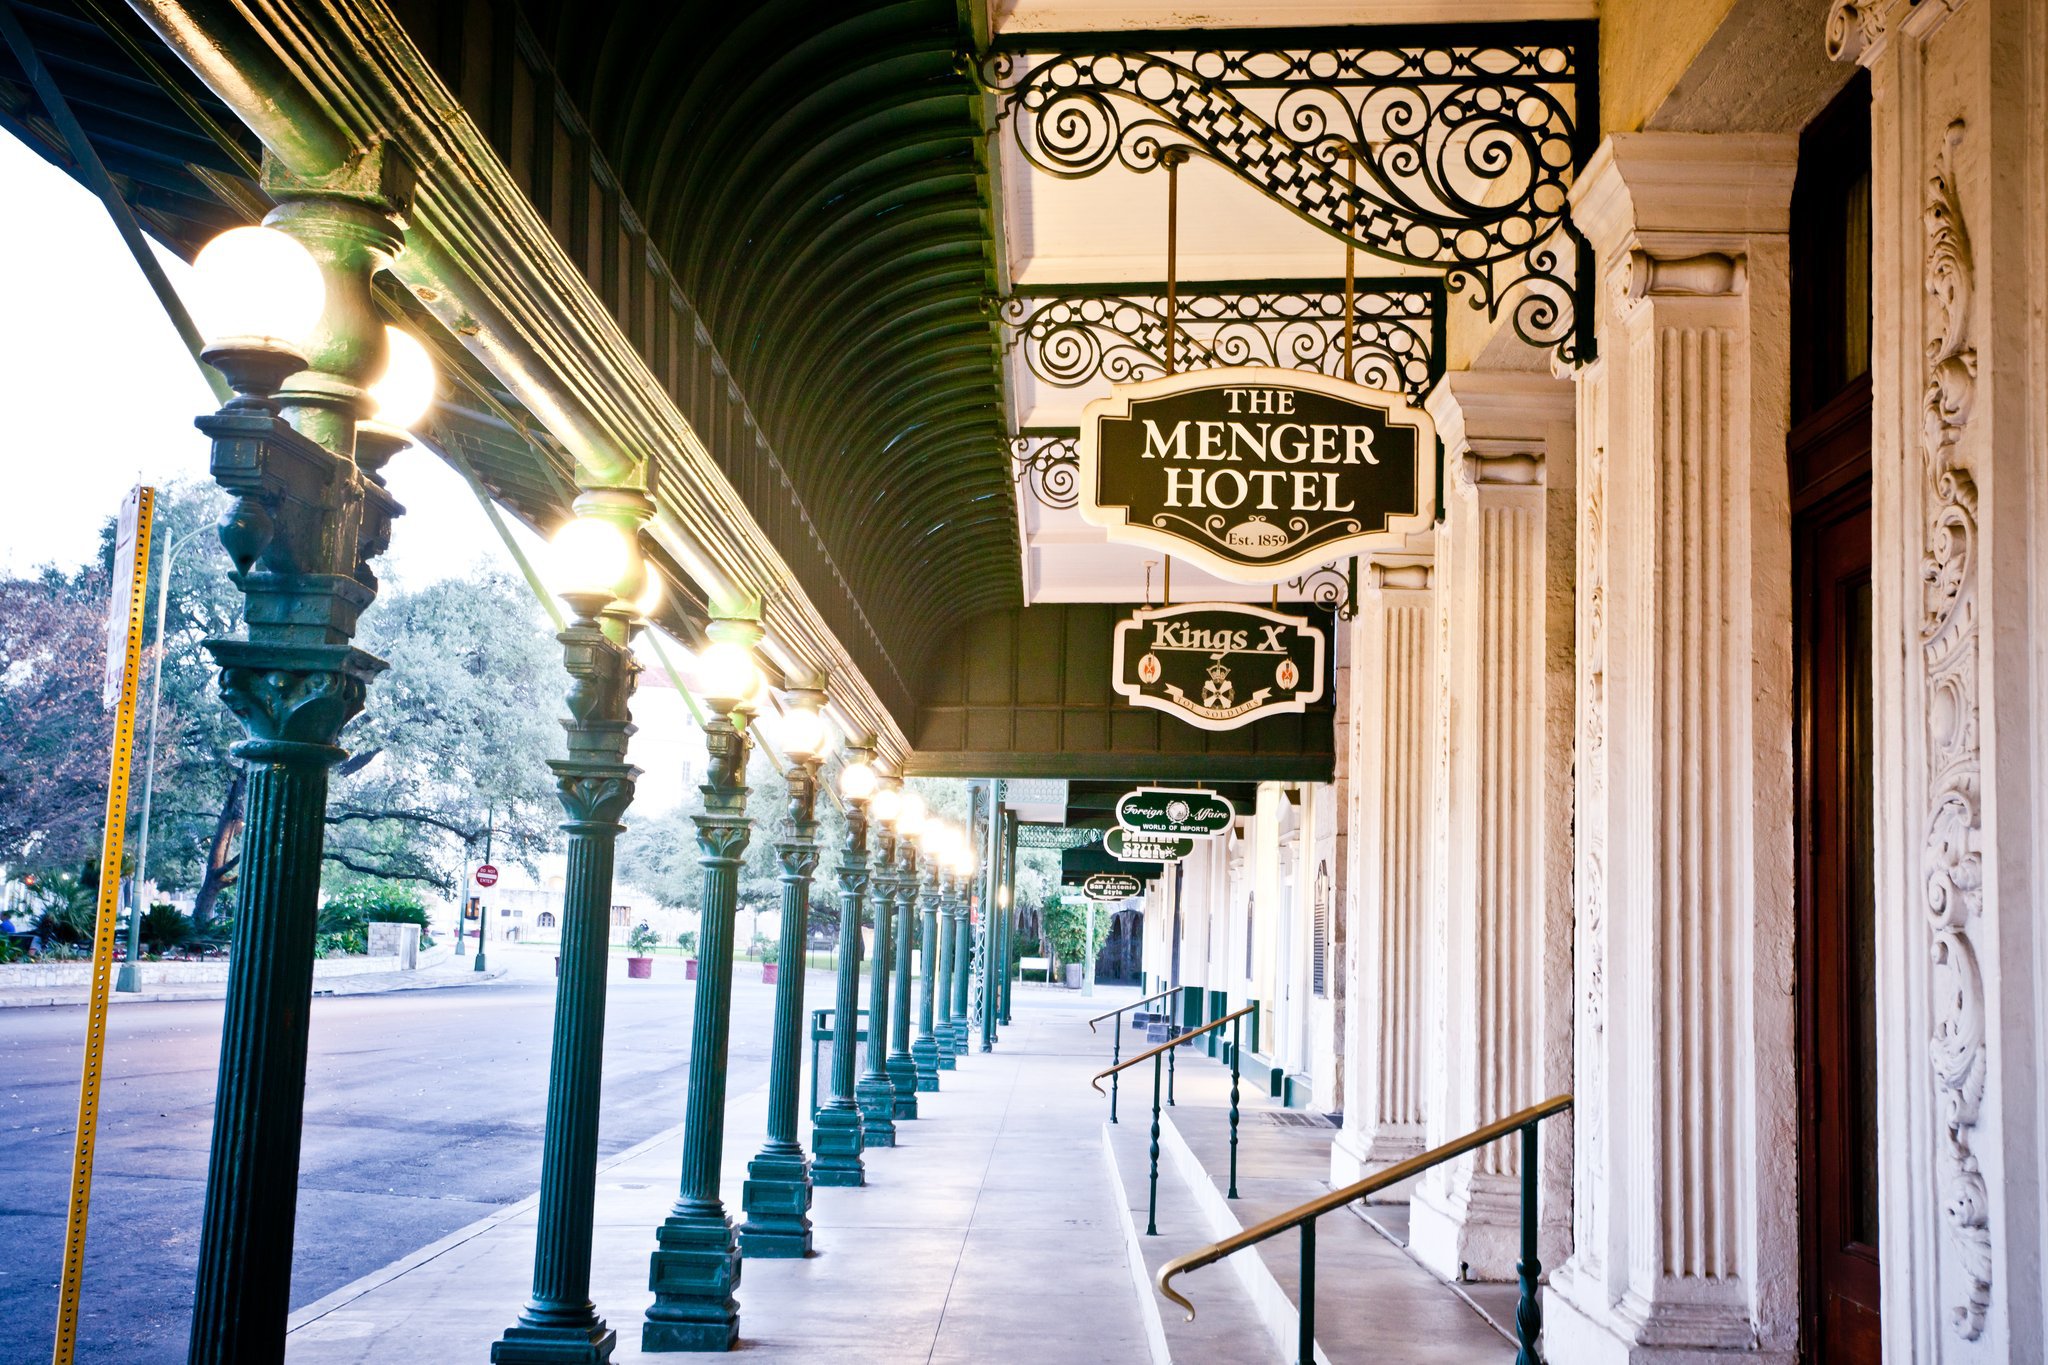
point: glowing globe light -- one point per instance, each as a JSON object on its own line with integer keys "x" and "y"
{"x": 911, "y": 816}
{"x": 406, "y": 389}
{"x": 590, "y": 557}
{"x": 257, "y": 287}
{"x": 728, "y": 674}
{"x": 650, "y": 596}
{"x": 885, "y": 803}
{"x": 857, "y": 780}
{"x": 805, "y": 733}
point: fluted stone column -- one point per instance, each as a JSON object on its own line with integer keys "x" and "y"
{"x": 777, "y": 1195}
{"x": 876, "y": 1091}
{"x": 306, "y": 522}
{"x": 926, "y": 1049}
{"x": 1394, "y": 672}
{"x": 559, "y": 1322}
{"x": 1502, "y": 916}
{"x": 836, "y": 1140}
{"x": 1685, "y": 1196}
{"x": 942, "y": 1024}
{"x": 902, "y": 1065}
{"x": 696, "y": 1263}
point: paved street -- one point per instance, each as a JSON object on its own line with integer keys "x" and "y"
{"x": 423, "y": 1114}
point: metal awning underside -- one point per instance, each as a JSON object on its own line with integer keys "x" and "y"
{"x": 809, "y": 175}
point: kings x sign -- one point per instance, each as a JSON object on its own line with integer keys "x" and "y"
{"x": 1257, "y": 473}
{"x": 1218, "y": 665}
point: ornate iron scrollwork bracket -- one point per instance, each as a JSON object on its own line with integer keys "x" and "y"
{"x": 1070, "y": 335}
{"x": 1465, "y": 138}
{"x": 1050, "y": 459}
{"x": 1057, "y": 837}
{"x": 1332, "y": 585}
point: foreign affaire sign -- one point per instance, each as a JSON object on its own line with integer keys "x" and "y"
{"x": 1145, "y": 848}
{"x": 1253, "y": 473}
{"x": 1218, "y": 665}
{"x": 1174, "y": 812}
{"x": 1111, "y": 886}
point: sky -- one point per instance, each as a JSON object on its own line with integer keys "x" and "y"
{"x": 100, "y": 394}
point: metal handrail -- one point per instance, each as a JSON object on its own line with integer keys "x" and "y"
{"x": 1528, "y": 1270}
{"x": 1133, "y": 1005}
{"x": 1167, "y": 1046}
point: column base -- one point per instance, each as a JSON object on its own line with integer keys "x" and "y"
{"x": 585, "y": 1345}
{"x": 903, "y": 1075}
{"x": 1472, "y": 1234}
{"x": 1624, "y": 1334}
{"x": 925, "y": 1052}
{"x": 942, "y": 1046}
{"x": 1354, "y": 1154}
{"x": 836, "y": 1147}
{"x": 960, "y": 1037}
{"x": 777, "y": 1200}
{"x": 877, "y": 1096}
{"x": 693, "y": 1272}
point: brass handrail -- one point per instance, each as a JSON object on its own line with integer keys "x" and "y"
{"x": 1358, "y": 1189}
{"x": 1149, "y": 1053}
{"x": 1133, "y": 1005}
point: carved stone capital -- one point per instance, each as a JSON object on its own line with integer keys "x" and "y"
{"x": 1855, "y": 30}
{"x": 722, "y": 838}
{"x": 724, "y": 789}
{"x": 799, "y": 854}
{"x": 1500, "y": 469}
{"x": 1403, "y": 576}
{"x": 593, "y": 794}
{"x": 292, "y": 702}
{"x": 1709, "y": 274}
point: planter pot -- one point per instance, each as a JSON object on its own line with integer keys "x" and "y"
{"x": 1073, "y": 976}
{"x": 640, "y": 968}
{"x": 768, "y": 973}
{"x": 690, "y": 970}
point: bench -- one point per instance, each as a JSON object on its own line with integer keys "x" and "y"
{"x": 1041, "y": 965}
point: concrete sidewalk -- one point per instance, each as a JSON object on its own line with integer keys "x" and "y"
{"x": 992, "y": 1233}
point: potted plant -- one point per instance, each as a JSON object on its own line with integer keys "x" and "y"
{"x": 687, "y": 941}
{"x": 640, "y": 951}
{"x": 771, "y": 955}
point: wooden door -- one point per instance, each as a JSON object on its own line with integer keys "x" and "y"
{"x": 1829, "y": 466}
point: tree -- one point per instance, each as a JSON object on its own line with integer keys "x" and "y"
{"x": 57, "y": 737}
{"x": 455, "y": 737}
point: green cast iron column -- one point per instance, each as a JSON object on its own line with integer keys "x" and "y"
{"x": 1009, "y": 909}
{"x": 777, "y": 1196}
{"x": 942, "y": 1026}
{"x": 560, "y": 1323}
{"x": 903, "y": 1066}
{"x": 696, "y": 1265}
{"x": 926, "y": 1050}
{"x": 835, "y": 1133}
{"x": 963, "y": 963}
{"x": 306, "y": 521}
{"x": 876, "y": 1092}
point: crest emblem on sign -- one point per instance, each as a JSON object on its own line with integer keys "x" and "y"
{"x": 1206, "y": 662}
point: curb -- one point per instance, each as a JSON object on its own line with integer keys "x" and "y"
{"x": 30, "y": 998}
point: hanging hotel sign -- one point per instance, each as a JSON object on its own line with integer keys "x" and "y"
{"x": 1145, "y": 848}
{"x": 1218, "y": 665}
{"x": 1111, "y": 886}
{"x": 1254, "y": 473}
{"x": 1172, "y": 812}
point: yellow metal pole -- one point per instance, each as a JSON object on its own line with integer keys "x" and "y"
{"x": 104, "y": 929}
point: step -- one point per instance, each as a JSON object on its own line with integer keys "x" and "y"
{"x": 1227, "y": 1326}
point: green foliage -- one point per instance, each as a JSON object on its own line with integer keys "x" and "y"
{"x": 767, "y": 950}
{"x": 1066, "y": 928}
{"x": 641, "y": 941}
{"x": 687, "y": 940}
{"x": 361, "y": 903}
{"x": 165, "y": 927}
{"x": 10, "y": 951}
{"x": 335, "y": 943}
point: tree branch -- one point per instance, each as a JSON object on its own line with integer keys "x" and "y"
{"x": 388, "y": 874}
{"x": 344, "y": 814}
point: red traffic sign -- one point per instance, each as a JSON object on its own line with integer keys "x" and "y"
{"x": 486, "y": 875}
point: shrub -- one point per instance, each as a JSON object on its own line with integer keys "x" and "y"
{"x": 165, "y": 927}
{"x": 687, "y": 940}
{"x": 768, "y": 950}
{"x": 642, "y": 940}
{"x": 331, "y": 944}
{"x": 361, "y": 903}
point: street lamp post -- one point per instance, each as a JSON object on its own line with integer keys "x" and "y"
{"x": 595, "y": 784}
{"x": 777, "y": 1197}
{"x": 876, "y": 1091}
{"x": 696, "y": 1265}
{"x": 305, "y": 523}
{"x": 131, "y": 969}
{"x": 836, "y": 1132}
{"x": 912, "y": 828}
{"x": 926, "y": 1050}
